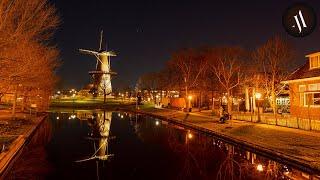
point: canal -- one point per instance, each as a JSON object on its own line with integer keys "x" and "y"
{"x": 87, "y": 144}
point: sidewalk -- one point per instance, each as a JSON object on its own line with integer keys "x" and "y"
{"x": 297, "y": 145}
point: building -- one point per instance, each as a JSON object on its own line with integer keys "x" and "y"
{"x": 86, "y": 91}
{"x": 304, "y": 85}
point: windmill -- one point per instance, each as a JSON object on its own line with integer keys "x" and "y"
{"x": 102, "y": 75}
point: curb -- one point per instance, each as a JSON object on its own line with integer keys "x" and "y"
{"x": 7, "y": 159}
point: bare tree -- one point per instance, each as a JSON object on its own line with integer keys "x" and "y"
{"x": 26, "y": 58}
{"x": 189, "y": 64}
{"x": 33, "y": 20}
{"x": 149, "y": 82}
{"x": 273, "y": 58}
{"x": 226, "y": 65}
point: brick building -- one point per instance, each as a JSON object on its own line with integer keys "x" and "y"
{"x": 304, "y": 86}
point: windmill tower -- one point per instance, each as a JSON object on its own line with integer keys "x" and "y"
{"x": 102, "y": 75}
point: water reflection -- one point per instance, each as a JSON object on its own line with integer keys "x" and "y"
{"x": 99, "y": 135}
{"x": 207, "y": 157}
{"x": 80, "y": 145}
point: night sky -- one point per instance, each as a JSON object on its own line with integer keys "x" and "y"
{"x": 145, "y": 33}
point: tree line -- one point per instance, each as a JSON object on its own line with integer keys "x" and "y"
{"x": 224, "y": 70}
{"x": 28, "y": 59}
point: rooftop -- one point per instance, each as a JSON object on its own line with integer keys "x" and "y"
{"x": 305, "y": 72}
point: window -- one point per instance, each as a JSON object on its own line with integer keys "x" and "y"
{"x": 302, "y": 89}
{"x": 312, "y": 87}
{"x": 314, "y": 62}
{"x": 310, "y": 96}
{"x": 312, "y": 99}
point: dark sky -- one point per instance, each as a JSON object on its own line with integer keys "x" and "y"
{"x": 145, "y": 33}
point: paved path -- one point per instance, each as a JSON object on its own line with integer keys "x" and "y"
{"x": 299, "y": 145}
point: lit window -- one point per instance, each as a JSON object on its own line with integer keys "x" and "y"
{"x": 314, "y": 62}
{"x": 302, "y": 89}
{"x": 312, "y": 99}
{"x": 312, "y": 87}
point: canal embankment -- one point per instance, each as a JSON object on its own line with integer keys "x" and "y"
{"x": 295, "y": 147}
{"x": 15, "y": 134}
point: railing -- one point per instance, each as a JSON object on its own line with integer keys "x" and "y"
{"x": 280, "y": 120}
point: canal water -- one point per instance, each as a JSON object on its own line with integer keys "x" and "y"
{"x": 117, "y": 145}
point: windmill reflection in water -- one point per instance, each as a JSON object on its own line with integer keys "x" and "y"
{"x": 99, "y": 134}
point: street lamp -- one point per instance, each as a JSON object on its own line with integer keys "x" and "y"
{"x": 258, "y": 97}
{"x": 189, "y": 98}
{"x": 259, "y": 167}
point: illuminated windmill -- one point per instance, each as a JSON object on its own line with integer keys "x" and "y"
{"x": 102, "y": 75}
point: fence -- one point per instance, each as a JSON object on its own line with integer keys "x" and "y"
{"x": 280, "y": 120}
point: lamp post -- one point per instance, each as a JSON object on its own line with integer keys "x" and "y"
{"x": 136, "y": 99}
{"x": 258, "y": 97}
{"x": 189, "y": 102}
{"x": 157, "y": 100}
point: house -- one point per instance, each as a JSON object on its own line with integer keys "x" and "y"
{"x": 86, "y": 91}
{"x": 304, "y": 85}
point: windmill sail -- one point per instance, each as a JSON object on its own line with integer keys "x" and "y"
{"x": 84, "y": 51}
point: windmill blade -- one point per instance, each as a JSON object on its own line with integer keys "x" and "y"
{"x": 84, "y": 51}
{"x": 111, "y": 53}
{"x": 96, "y": 55}
{"x": 101, "y": 38}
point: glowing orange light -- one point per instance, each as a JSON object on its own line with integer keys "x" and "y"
{"x": 260, "y": 168}
{"x": 258, "y": 95}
